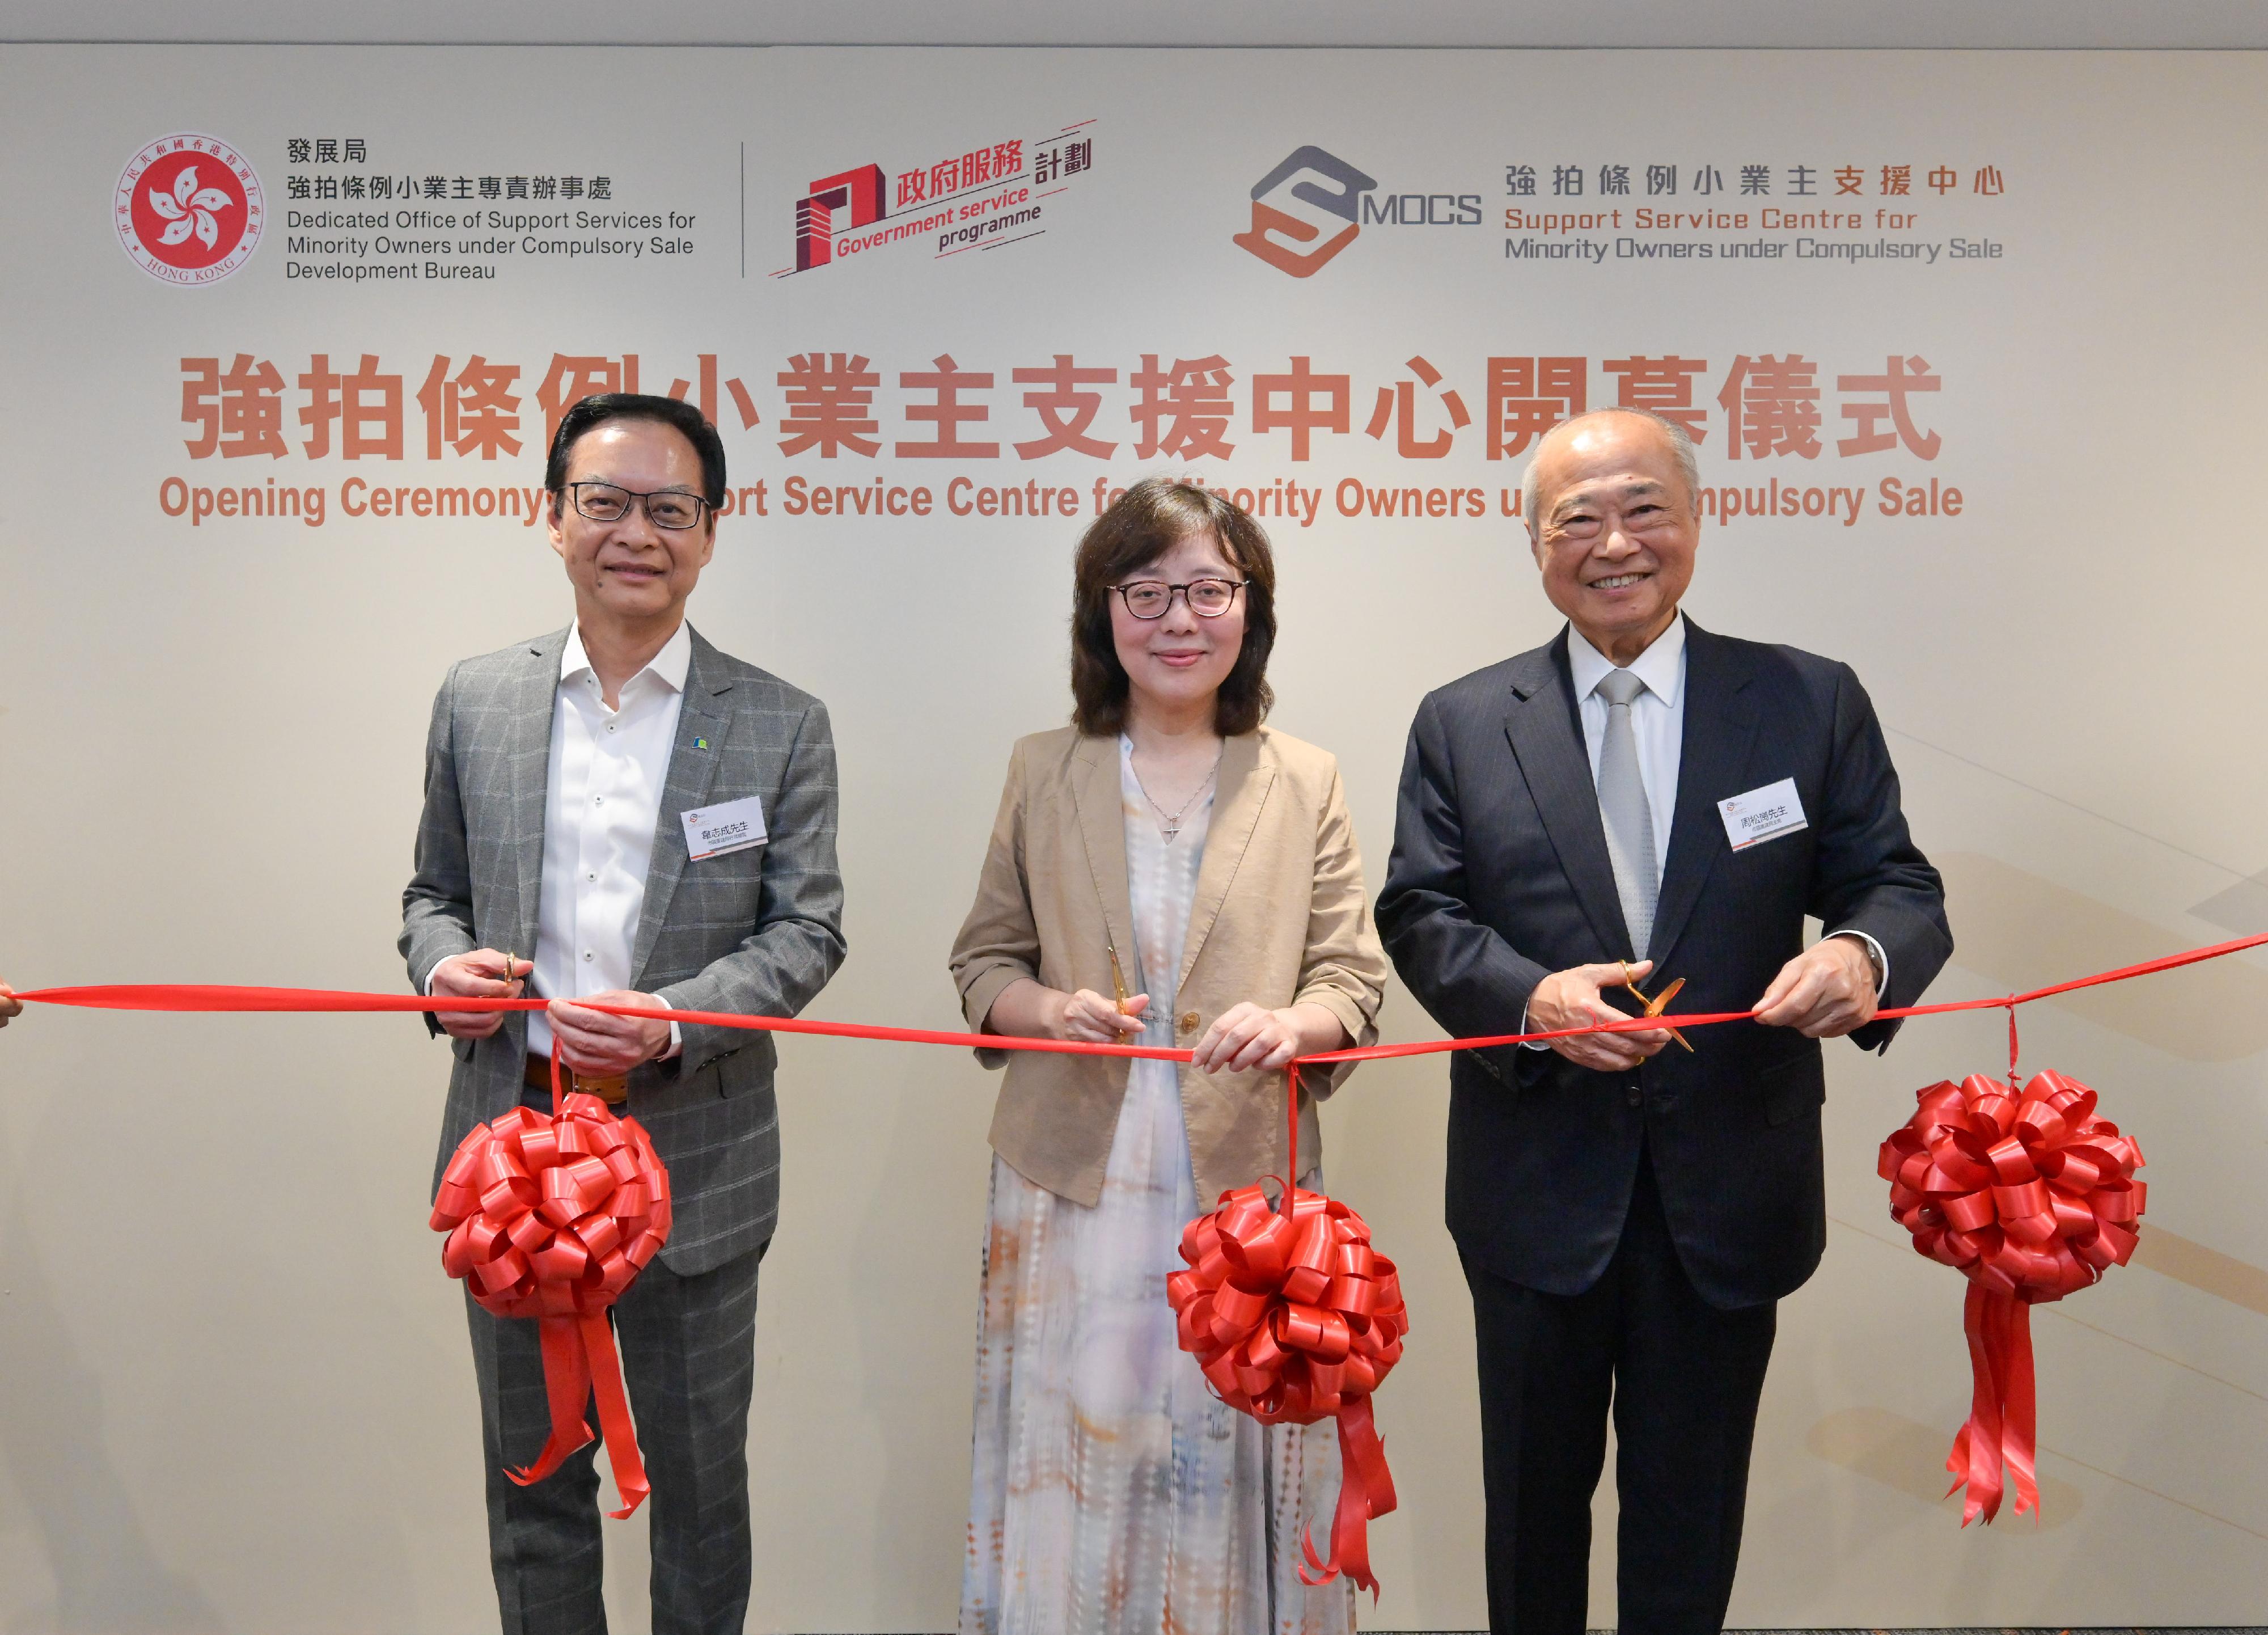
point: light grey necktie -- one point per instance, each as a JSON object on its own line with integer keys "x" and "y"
{"x": 1623, "y": 805}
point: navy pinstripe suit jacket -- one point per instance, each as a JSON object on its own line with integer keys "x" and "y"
{"x": 1499, "y": 876}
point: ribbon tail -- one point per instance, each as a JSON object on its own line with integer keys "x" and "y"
{"x": 1975, "y": 1461}
{"x": 2019, "y": 1435}
{"x": 597, "y": 1337}
{"x": 1366, "y": 1492}
{"x": 567, "y": 1383}
{"x": 1989, "y": 1446}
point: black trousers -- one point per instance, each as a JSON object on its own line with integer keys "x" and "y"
{"x": 1684, "y": 1378}
{"x": 687, "y": 1347}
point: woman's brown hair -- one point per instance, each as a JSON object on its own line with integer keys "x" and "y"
{"x": 1142, "y": 525}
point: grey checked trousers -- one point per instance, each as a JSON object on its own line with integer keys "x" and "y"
{"x": 687, "y": 1347}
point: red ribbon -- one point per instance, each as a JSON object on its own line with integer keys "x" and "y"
{"x": 226, "y": 996}
{"x": 1293, "y": 1317}
{"x": 2000, "y": 1426}
{"x": 550, "y": 1219}
{"x": 2031, "y": 1196}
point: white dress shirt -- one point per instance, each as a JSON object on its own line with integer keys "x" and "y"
{"x": 601, "y": 802}
{"x": 1658, "y": 724}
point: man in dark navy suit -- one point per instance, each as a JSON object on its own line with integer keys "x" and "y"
{"x": 1640, "y": 796}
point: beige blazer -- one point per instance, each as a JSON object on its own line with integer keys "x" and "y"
{"x": 1280, "y": 919}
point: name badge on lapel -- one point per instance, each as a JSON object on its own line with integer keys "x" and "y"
{"x": 1763, "y": 813}
{"x": 719, "y": 830}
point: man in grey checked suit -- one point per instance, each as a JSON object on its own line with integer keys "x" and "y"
{"x": 557, "y": 775}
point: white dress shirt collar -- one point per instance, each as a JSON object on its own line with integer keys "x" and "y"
{"x": 670, "y": 667}
{"x": 1660, "y": 666}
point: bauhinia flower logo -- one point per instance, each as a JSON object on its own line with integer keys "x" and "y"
{"x": 188, "y": 210}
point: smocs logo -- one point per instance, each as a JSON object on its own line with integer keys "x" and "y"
{"x": 1310, "y": 207}
{"x": 1305, "y": 211}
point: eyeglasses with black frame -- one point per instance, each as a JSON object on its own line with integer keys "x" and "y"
{"x": 666, "y": 508}
{"x": 1208, "y": 598}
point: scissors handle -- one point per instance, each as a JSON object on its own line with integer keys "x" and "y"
{"x": 1117, "y": 978}
{"x": 1660, "y": 1003}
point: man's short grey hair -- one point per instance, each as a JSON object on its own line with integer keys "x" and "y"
{"x": 1681, "y": 444}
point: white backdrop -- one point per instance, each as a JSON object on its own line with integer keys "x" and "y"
{"x": 239, "y": 1397}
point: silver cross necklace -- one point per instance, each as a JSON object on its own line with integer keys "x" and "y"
{"x": 1171, "y": 826}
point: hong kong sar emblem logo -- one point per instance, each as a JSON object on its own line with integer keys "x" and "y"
{"x": 188, "y": 210}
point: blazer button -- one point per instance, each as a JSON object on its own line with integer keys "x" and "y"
{"x": 1635, "y": 1096}
{"x": 1189, "y": 1022}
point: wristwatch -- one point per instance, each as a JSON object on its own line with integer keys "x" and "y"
{"x": 1873, "y": 957}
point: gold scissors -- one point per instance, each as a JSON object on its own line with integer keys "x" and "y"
{"x": 1660, "y": 1003}
{"x": 1117, "y": 979}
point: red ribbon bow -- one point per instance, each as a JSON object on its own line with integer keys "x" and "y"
{"x": 551, "y": 1218}
{"x": 1293, "y": 1318}
{"x": 2032, "y": 1197}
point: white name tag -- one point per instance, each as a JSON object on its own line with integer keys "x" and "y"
{"x": 1762, "y": 813}
{"x": 713, "y": 831}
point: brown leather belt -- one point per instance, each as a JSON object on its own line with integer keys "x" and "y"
{"x": 613, "y": 1092}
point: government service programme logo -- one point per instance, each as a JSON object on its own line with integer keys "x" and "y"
{"x": 862, "y": 191}
{"x": 188, "y": 210}
{"x": 1305, "y": 211}
{"x": 967, "y": 201}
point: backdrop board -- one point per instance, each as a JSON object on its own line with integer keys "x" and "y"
{"x": 1968, "y": 341}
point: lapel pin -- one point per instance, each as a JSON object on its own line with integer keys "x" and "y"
{"x": 701, "y": 743}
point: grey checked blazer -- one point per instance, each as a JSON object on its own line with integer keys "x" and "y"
{"x": 757, "y": 932}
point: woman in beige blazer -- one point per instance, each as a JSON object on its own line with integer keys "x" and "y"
{"x": 1168, "y": 846}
